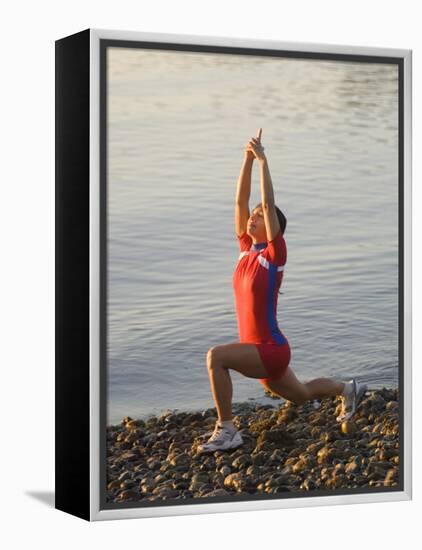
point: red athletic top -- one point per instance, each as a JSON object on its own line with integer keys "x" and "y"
{"x": 256, "y": 281}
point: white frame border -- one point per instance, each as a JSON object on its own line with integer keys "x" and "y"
{"x": 197, "y": 508}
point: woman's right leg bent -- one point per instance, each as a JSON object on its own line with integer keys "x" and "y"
{"x": 290, "y": 388}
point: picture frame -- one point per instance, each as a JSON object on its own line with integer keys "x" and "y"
{"x": 84, "y": 150}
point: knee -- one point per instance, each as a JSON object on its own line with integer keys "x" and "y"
{"x": 214, "y": 357}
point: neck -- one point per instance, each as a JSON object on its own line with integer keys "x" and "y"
{"x": 257, "y": 244}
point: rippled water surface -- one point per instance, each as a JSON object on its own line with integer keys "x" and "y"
{"x": 177, "y": 127}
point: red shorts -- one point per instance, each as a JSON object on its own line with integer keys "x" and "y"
{"x": 276, "y": 359}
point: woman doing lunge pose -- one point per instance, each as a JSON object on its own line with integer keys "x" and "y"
{"x": 263, "y": 351}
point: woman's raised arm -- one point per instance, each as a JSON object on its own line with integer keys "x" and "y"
{"x": 243, "y": 191}
{"x": 272, "y": 225}
{"x": 242, "y": 194}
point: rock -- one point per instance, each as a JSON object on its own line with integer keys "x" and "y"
{"x": 308, "y": 460}
{"x": 278, "y": 489}
{"x": 375, "y": 403}
{"x": 150, "y": 439}
{"x": 167, "y": 493}
{"x": 349, "y": 427}
{"x": 128, "y": 456}
{"x": 386, "y": 454}
{"x": 286, "y": 470}
{"x": 281, "y": 437}
{"x": 202, "y": 477}
{"x": 319, "y": 419}
{"x": 253, "y": 470}
{"x": 352, "y": 467}
{"x": 308, "y": 485}
{"x": 286, "y": 415}
{"x": 225, "y": 470}
{"x": 392, "y": 475}
{"x": 151, "y": 423}
{"x": 260, "y": 458}
{"x": 208, "y": 462}
{"x": 160, "y": 478}
{"x": 275, "y": 481}
{"x": 133, "y": 424}
{"x": 378, "y": 465}
{"x": 315, "y": 447}
{"x": 232, "y": 480}
{"x": 261, "y": 426}
{"x": 315, "y": 432}
{"x": 124, "y": 475}
{"x": 128, "y": 495}
{"x": 217, "y": 480}
{"x": 335, "y": 482}
{"x": 196, "y": 486}
{"x": 242, "y": 462}
{"x": 293, "y": 481}
{"x": 361, "y": 422}
{"x": 113, "y": 485}
{"x": 180, "y": 485}
{"x": 277, "y": 457}
{"x": 180, "y": 460}
{"x": 329, "y": 436}
{"x": 147, "y": 486}
{"x": 299, "y": 467}
{"x": 153, "y": 463}
{"x": 127, "y": 484}
{"x": 325, "y": 455}
{"x": 216, "y": 493}
{"x": 338, "y": 469}
{"x": 121, "y": 436}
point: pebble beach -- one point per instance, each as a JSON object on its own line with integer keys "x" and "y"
{"x": 287, "y": 448}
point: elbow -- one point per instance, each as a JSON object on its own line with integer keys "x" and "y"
{"x": 268, "y": 205}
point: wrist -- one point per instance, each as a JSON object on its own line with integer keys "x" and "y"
{"x": 263, "y": 160}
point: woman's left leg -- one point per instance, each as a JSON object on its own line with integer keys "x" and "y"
{"x": 243, "y": 358}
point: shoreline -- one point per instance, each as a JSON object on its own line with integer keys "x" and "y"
{"x": 286, "y": 448}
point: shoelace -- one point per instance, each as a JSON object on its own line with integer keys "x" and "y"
{"x": 217, "y": 432}
{"x": 241, "y": 432}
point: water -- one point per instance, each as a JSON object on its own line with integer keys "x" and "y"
{"x": 178, "y": 125}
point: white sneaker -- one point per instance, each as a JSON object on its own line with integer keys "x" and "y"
{"x": 351, "y": 402}
{"x": 221, "y": 440}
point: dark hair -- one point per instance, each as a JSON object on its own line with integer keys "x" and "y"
{"x": 281, "y": 218}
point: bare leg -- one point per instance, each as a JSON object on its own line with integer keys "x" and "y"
{"x": 324, "y": 387}
{"x": 222, "y": 391}
{"x": 293, "y": 390}
{"x": 241, "y": 357}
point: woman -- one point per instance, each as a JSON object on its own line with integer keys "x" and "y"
{"x": 263, "y": 351}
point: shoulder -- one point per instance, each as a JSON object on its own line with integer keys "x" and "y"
{"x": 245, "y": 241}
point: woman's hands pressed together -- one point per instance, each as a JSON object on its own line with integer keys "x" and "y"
{"x": 254, "y": 148}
